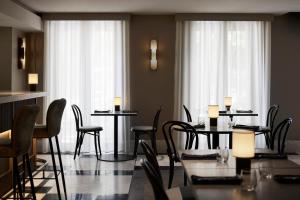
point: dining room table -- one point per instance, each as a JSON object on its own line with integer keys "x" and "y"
{"x": 266, "y": 188}
{"x": 116, "y": 156}
{"x": 240, "y": 113}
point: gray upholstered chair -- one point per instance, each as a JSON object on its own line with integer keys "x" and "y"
{"x": 50, "y": 130}
{"x": 19, "y": 143}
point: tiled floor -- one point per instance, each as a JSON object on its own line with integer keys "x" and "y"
{"x": 89, "y": 179}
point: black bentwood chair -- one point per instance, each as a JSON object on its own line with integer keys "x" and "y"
{"x": 151, "y": 168}
{"x": 271, "y": 116}
{"x": 169, "y": 129}
{"x": 51, "y": 130}
{"x": 189, "y": 119}
{"x": 82, "y": 130}
{"x": 280, "y": 133}
{"x": 146, "y": 130}
{"x": 19, "y": 144}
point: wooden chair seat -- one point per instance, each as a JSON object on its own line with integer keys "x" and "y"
{"x": 90, "y": 128}
{"x": 5, "y": 138}
{"x": 142, "y": 128}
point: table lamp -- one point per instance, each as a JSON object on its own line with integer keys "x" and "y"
{"x": 243, "y": 148}
{"x": 117, "y": 103}
{"x": 213, "y": 114}
{"x": 33, "y": 80}
{"x": 228, "y": 102}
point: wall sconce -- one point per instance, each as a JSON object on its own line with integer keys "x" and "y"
{"x": 213, "y": 114}
{"x": 228, "y": 102}
{"x": 243, "y": 148}
{"x": 153, "y": 48}
{"x": 33, "y": 80}
{"x": 117, "y": 103}
{"x": 21, "y": 53}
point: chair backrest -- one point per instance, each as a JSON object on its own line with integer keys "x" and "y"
{"x": 54, "y": 115}
{"x": 156, "y": 119}
{"x": 188, "y": 114}
{"x": 157, "y": 186}
{"x": 272, "y": 113}
{"x": 22, "y": 130}
{"x": 280, "y": 132}
{"x": 151, "y": 157}
{"x": 78, "y": 116}
{"x": 168, "y": 129}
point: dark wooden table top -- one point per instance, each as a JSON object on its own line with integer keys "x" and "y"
{"x": 115, "y": 113}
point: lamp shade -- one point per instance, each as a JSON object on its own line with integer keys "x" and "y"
{"x": 243, "y": 143}
{"x": 227, "y": 101}
{"x": 153, "y": 45}
{"x": 117, "y": 101}
{"x": 213, "y": 111}
{"x": 33, "y": 79}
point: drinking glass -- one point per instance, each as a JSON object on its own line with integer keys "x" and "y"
{"x": 265, "y": 170}
{"x": 225, "y": 155}
{"x": 219, "y": 155}
{"x": 249, "y": 180}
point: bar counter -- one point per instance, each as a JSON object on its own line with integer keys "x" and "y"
{"x": 10, "y": 102}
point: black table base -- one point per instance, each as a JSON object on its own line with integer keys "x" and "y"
{"x": 113, "y": 158}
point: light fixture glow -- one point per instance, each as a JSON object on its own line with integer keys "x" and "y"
{"x": 153, "y": 48}
{"x": 243, "y": 143}
{"x": 213, "y": 111}
{"x": 33, "y": 79}
{"x": 117, "y": 102}
{"x": 228, "y": 101}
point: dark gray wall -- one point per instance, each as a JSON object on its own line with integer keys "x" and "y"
{"x": 5, "y": 57}
{"x": 285, "y": 69}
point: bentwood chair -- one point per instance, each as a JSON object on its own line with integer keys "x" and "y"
{"x": 83, "y": 130}
{"x": 51, "y": 130}
{"x": 151, "y": 168}
{"x": 271, "y": 116}
{"x": 146, "y": 130}
{"x": 279, "y": 134}
{"x": 19, "y": 144}
{"x": 189, "y": 119}
{"x": 169, "y": 128}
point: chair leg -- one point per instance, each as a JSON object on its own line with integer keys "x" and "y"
{"x": 99, "y": 146}
{"x": 77, "y": 144}
{"x": 153, "y": 141}
{"x": 95, "y": 142}
{"x": 14, "y": 184}
{"x": 24, "y": 174}
{"x": 187, "y": 140}
{"x": 171, "y": 174}
{"x": 184, "y": 179}
{"x": 61, "y": 167}
{"x": 136, "y": 143}
{"x": 80, "y": 143}
{"x": 54, "y": 168}
{"x": 18, "y": 179}
{"x": 30, "y": 176}
{"x": 197, "y": 141}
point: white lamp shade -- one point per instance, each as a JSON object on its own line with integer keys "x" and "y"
{"x": 117, "y": 101}
{"x": 213, "y": 111}
{"x": 243, "y": 143}
{"x": 227, "y": 101}
{"x": 33, "y": 79}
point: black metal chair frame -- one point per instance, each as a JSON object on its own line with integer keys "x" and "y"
{"x": 168, "y": 128}
{"x": 189, "y": 119}
{"x": 271, "y": 116}
{"x": 81, "y": 132}
{"x": 280, "y": 132}
{"x": 151, "y": 133}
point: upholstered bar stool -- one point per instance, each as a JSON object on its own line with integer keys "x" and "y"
{"x": 51, "y": 130}
{"x": 18, "y": 142}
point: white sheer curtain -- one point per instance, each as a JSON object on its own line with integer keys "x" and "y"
{"x": 86, "y": 63}
{"x": 223, "y": 58}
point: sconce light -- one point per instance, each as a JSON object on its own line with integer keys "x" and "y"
{"x": 33, "y": 80}
{"x": 153, "y": 48}
{"x": 228, "y": 102}
{"x": 21, "y": 53}
{"x": 243, "y": 148}
{"x": 213, "y": 114}
{"x": 117, "y": 103}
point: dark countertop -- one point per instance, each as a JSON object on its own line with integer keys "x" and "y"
{"x": 10, "y": 96}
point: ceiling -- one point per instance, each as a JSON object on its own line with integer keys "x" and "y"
{"x": 164, "y": 6}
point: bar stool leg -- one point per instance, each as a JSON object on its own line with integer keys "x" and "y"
{"x": 30, "y": 176}
{"x": 24, "y": 175}
{"x": 54, "y": 168}
{"x": 136, "y": 143}
{"x": 77, "y": 144}
{"x": 17, "y": 174}
{"x": 99, "y": 146}
{"x": 80, "y": 143}
{"x": 61, "y": 167}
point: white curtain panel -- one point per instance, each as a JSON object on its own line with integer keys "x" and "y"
{"x": 223, "y": 58}
{"x": 86, "y": 63}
